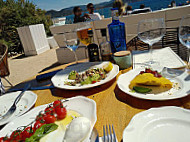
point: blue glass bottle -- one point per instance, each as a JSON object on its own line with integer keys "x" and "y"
{"x": 117, "y": 33}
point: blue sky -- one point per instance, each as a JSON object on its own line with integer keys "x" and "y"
{"x": 60, "y": 4}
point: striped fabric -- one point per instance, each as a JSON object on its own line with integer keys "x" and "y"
{"x": 2, "y": 90}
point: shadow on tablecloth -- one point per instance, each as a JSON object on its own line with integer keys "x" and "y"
{"x": 146, "y": 104}
{"x": 33, "y": 83}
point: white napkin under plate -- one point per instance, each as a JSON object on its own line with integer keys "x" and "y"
{"x": 165, "y": 56}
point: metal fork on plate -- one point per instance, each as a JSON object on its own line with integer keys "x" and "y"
{"x": 109, "y": 134}
{"x": 13, "y": 107}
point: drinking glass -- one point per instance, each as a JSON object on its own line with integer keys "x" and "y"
{"x": 72, "y": 42}
{"x": 2, "y": 90}
{"x": 184, "y": 35}
{"x": 82, "y": 32}
{"x": 151, "y": 31}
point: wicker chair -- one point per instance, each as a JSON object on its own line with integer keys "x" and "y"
{"x": 4, "y": 69}
{"x": 170, "y": 39}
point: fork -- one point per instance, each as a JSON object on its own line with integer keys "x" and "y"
{"x": 13, "y": 107}
{"x": 108, "y": 136}
{"x": 171, "y": 73}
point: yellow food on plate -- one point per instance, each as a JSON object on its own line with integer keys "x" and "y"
{"x": 58, "y": 135}
{"x": 157, "y": 84}
{"x": 108, "y": 67}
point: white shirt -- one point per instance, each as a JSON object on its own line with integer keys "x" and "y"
{"x": 95, "y": 16}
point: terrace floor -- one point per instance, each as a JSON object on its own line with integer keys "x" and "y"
{"x": 21, "y": 68}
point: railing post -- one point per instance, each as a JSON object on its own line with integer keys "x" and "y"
{"x": 178, "y": 42}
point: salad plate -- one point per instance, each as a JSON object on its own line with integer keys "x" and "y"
{"x": 164, "y": 124}
{"x": 27, "y": 101}
{"x": 61, "y": 77}
{"x": 125, "y": 79}
{"x": 82, "y": 105}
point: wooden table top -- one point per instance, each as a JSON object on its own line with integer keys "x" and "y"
{"x": 113, "y": 106}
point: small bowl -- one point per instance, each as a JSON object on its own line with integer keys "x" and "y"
{"x": 123, "y": 59}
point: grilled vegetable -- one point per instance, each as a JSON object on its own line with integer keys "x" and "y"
{"x": 141, "y": 89}
{"x": 72, "y": 75}
{"x": 86, "y": 81}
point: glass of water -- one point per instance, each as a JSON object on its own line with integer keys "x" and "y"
{"x": 72, "y": 42}
{"x": 151, "y": 31}
{"x": 184, "y": 36}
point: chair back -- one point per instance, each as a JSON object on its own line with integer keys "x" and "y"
{"x": 4, "y": 69}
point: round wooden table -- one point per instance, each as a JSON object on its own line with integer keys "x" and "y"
{"x": 113, "y": 106}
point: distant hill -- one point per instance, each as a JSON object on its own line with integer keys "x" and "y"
{"x": 68, "y": 11}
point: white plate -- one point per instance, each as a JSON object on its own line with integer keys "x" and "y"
{"x": 164, "y": 124}
{"x": 26, "y": 102}
{"x": 84, "y": 106}
{"x": 62, "y": 76}
{"x": 125, "y": 79}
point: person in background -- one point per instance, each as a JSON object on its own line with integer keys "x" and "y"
{"x": 173, "y": 3}
{"x": 120, "y": 5}
{"x": 143, "y": 9}
{"x": 93, "y": 16}
{"x": 142, "y": 6}
{"x": 129, "y": 9}
{"x": 78, "y": 15}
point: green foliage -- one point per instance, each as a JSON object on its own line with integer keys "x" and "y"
{"x": 18, "y": 13}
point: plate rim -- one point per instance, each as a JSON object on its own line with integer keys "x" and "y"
{"x": 136, "y": 117}
{"x": 149, "y": 98}
{"x": 34, "y": 95}
{"x": 86, "y": 87}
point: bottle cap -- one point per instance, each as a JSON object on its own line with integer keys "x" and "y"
{"x": 122, "y": 53}
{"x": 90, "y": 32}
{"x": 103, "y": 32}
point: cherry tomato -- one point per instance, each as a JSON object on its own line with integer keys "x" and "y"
{"x": 148, "y": 70}
{"x": 37, "y": 125}
{"x": 16, "y": 135}
{"x": 50, "y": 110}
{"x": 93, "y": 82}
{"x": 61, "y": 112}
{"x": 40, "y": 118}
{"x": 28, "y": 132}
{"x": 159, "y": 75}
{"x": 57, "y": 104}
{"x": 2, "y": 139}
{"x": 49, "y": 119}
{"x": 142, "y": 72}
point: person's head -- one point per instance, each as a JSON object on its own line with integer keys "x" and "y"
{"x": 90, "y": 8}
{"x": 129, "y": 8}
{"x": 118, "y": 4}
{"x": 142, "y": 6}
{"x": 77, "y": 11}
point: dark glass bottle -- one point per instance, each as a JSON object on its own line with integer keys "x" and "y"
{"x": 117, "y": 33}
{"x": 93, "y": 49}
